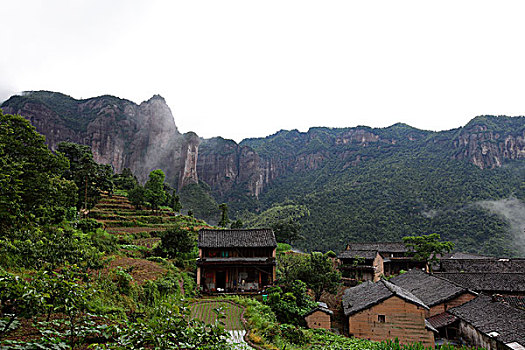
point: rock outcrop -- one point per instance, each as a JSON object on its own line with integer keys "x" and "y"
{"x": 145, "y": 137}
{"x": 488, "y": 147}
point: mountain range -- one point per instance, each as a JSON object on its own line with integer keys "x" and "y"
{"x": 350, "y": 184}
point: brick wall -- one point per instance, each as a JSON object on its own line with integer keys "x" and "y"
{"x": 459, "y": 300}
{"x": 392, "y": 318}
{"x": 318, "y": 319}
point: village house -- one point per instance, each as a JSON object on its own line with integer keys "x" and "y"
{"x": 361, "y": 265}
{"x": 380, "y": 311}
{"x": 320, "y": 317}
{"x": 489, "y": 276}
{"x": 437, "y": 293}
{"x": 370, "y": 261}
{"x": 236, "y": 261}
{"x": 485, "y": 322}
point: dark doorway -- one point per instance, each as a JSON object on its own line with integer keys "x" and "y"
{"x": 220, "y": 279}
{"x": 264, "y": 280}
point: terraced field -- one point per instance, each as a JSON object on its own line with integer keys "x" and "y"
{"x": 208, "y": 311}
{"x": 138, "y": 232}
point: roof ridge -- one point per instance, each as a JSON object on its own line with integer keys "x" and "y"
{"x": 408, "y": 295}
{"x": 452, "y": 282}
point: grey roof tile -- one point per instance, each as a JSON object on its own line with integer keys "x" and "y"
{"x": 381, "y": 247}
{"x": 489, "y": 316}
{"x": 487, "y": 282}
{"x": 256, "y": 238}
{"x": 368, "y": 294}
{"x": 430, "y": 289}
{"x": 354, "y": 254}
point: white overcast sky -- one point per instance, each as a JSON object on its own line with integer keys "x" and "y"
{"x": 250, "y": 68}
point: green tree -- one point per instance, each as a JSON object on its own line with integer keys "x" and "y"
{"x": 225, "y": 220}
{"x": 125, "y": 180}
{"x": 154, "y": 187}
{"x": 290, "y": 303}
{"x": 32, "y": 187}
{"x": 315, "y": 269}
{"x": 137, "y": 196}
{"x": 175, "y": 203}
{"x": 321, "y": 275}
{"x": 287, "y": 231}
{"x": 427, "y": 248}
{"x": 176, "y": 241}
{"x": 237, "y": 224}
{"x": 90, "y": 177}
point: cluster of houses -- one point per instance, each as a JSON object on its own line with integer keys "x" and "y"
{"x": 467, "y": 299}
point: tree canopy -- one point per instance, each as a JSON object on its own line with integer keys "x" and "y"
{"x": 90, "y": 177}
{"x": 427, "y": 248}
{"x": 32, "y": 187}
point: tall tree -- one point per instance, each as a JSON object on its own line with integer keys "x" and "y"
{"x": 225, "y": 220}
{"x": 176, "y": 241}
{"x": 137, "y": 196}
{"x": 287, "y": 231}
{"x": 154, "y": 187}
{"x": 125, "y": 180}
{"x": 90, "y": 177}
{"x": 315, "y": 269}
{"x": 427, "y": 248}
{"x": 31, "y": 184}
{"x": 175, "y": 203}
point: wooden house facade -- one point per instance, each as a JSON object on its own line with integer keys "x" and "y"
{"x": 370, "y": 261}
{"x": 236, "y": 261}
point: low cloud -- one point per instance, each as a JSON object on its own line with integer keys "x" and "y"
{"x": 513, "y": 211}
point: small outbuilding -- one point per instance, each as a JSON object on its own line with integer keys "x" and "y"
{"x": 320, "y": 317}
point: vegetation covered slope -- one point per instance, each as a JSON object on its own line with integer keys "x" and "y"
{"x": 381, "y": 191}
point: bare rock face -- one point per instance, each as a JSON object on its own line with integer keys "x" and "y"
{"x": 144, "y": 137}
{"x": 189, "y": 159}
{"x": 121, "y": 133}
{"x": 488, "y": 147}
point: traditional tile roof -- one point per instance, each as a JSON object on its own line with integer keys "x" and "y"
{"x": 483, "y": 265}
{"x": 430, "y": 289}
{"x": 354, "y": 254}
{"x": 323, "y": 307}
{"x": 487, "y": 282}
{"x": 460, "y": 255}
{"x": 368, "y": 294}
{"x": 441, "y": 320}
{"x": 257, "y": 238}
{"x": 381, "y": 247}
{"x": 517, "y": 301}
{"x": 489, "y": 316}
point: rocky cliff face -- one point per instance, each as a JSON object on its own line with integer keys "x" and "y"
{"x": 489, "y": 148}
{"x": 144, "y": 137}
{"x": 121, "y": 133}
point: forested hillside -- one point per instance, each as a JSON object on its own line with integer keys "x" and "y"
{"x": 357, "y": 184}
{"x": 383, "y": 191}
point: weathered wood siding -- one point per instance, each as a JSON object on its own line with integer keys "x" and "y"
{"x": 318, "y": 319}
{"x": 459, "y": 300}
{"x": 402, "y": 320}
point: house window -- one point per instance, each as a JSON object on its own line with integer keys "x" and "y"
{"x": 381, "y": 318}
